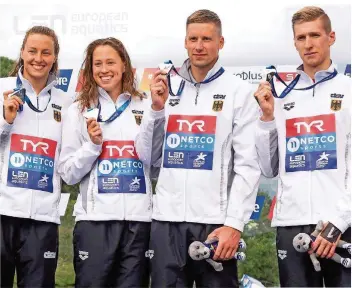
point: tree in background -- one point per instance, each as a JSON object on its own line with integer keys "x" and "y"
{"x": 261, "y": 259}
{"x": 6, "y": 65}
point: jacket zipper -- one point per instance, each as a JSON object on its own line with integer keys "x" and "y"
{"x": 197, "y": 89}
{"x": 184, "y": 197}
{"x": 32, "y": 192}
{"x": 95, "y": 174}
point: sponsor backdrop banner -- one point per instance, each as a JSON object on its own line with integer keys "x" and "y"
{"x": 70, "y": 81}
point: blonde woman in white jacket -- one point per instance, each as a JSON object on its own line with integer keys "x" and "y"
{"x": 113, "y": 209}
{"x": 30, "y": 141}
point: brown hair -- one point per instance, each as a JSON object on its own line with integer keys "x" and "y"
{"x": 89, "y": 92}
{"x": 205, "y": 16}
{"x": 311, "y": 13}
{"x": 42, "y": 30}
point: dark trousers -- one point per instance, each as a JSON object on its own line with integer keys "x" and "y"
{"x": 111, "y": 253}
{"x": 297, "y": 270}
{"x": 171, "y": 265}
{"x": 31, "y": 248}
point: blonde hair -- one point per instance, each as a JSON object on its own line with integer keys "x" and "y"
{"x": 205, "y": 16}
{"x": 311, "y": 13}
{"x": 42, "y": 30}
{"x": 89, "y": 92}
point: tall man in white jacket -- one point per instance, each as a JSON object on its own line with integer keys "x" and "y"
{"x": 203, "y": 140}
{"x": 304, "y": 138}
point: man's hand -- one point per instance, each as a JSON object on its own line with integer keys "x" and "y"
{"x": 228, "y": 242}
{"x": 323, "y": 247}
{"x": 159, "y": 90}
{"x": 266, "y": 101}
{"x": 11, "y": 106}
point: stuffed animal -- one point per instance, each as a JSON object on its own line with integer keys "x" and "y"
{"x": 302, "y": 242}
{"x": 206, "y": 250}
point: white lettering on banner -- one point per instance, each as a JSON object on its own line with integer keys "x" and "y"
{"x": 198, "y": 123}
{"x": 113, "y": 180}
{"x": 62, "y": 81}
{"x": 40, "y": 161}
{"x": 315, "y": 143}
{"x": 289, "y": 77}
{"x": 176, "y": 155}
{"x": 44, "y": 146}
{"x": 256, "y": 208}
{"x": 317, "y": 123}
{"x": 128, "y": 164}
{"x": 128, "y": 148}
{"x": 297, "y": 158}
{"x": 197, "y": 139}
{"x": 20, "y": 174}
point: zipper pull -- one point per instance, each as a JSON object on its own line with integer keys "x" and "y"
{"x": 196, "y": 99}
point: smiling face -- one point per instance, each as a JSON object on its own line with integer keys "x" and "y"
{"x": 203, "y": 42}
{"x": 108, "y": 69}
{"x": 38, "y": 57}
{"x": 313, "y": 42}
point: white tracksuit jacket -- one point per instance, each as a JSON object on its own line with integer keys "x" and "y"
{"x": 204, "y": 143}
{"x": 114, "y": 184}
{"x": 309, "y": 146}
{"x": 29, "y": 151}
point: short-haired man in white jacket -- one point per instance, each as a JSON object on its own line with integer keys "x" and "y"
{"x": 203, "y": 140}
{"x": 304, "y": 137}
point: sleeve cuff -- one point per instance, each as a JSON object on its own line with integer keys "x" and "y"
{"x": 156, "y": 114}
{"x": 96, "y": 149}
{"x": 6, "y": 127}
{"x": 268, "y": 126}
{"x": 234, "y": 223}
{"x": 341, "y": 224}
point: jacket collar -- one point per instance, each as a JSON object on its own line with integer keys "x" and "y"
{"x": 318, "y": 75}
{"x": 185, "y": 71}
{"x": 52, "y": 81}
{"x": 121, "y": 98}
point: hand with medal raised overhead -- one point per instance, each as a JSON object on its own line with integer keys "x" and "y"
{"x": 94, "y": 131}
{"x": 11, "y": 105}
{"x": 265, "y": 100}
{"x": 159, "y": 90}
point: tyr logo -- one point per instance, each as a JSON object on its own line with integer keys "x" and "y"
{"x": 317, "y": 124}
{"x": 42, "y": 145}
{"x": 129, "y": 149}
{"x": 198, "y": 123}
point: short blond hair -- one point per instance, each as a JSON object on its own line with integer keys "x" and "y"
{"x": 205, "y": 16}
{"x": 311, "y": 13}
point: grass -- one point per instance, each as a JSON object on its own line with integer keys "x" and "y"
{"x": 65, "y": 276}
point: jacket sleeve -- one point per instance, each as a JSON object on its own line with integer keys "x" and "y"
{"x": 4, "y": 126}
{"x": 266, "y": 142}
{"x": 342, "y": 219}
{"x": 78, "y": 152}
{"x": 150, "y": 139}
{"x": 245, "y": 183}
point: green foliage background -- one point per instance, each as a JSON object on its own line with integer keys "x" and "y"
{"x": 6, "y": 65}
